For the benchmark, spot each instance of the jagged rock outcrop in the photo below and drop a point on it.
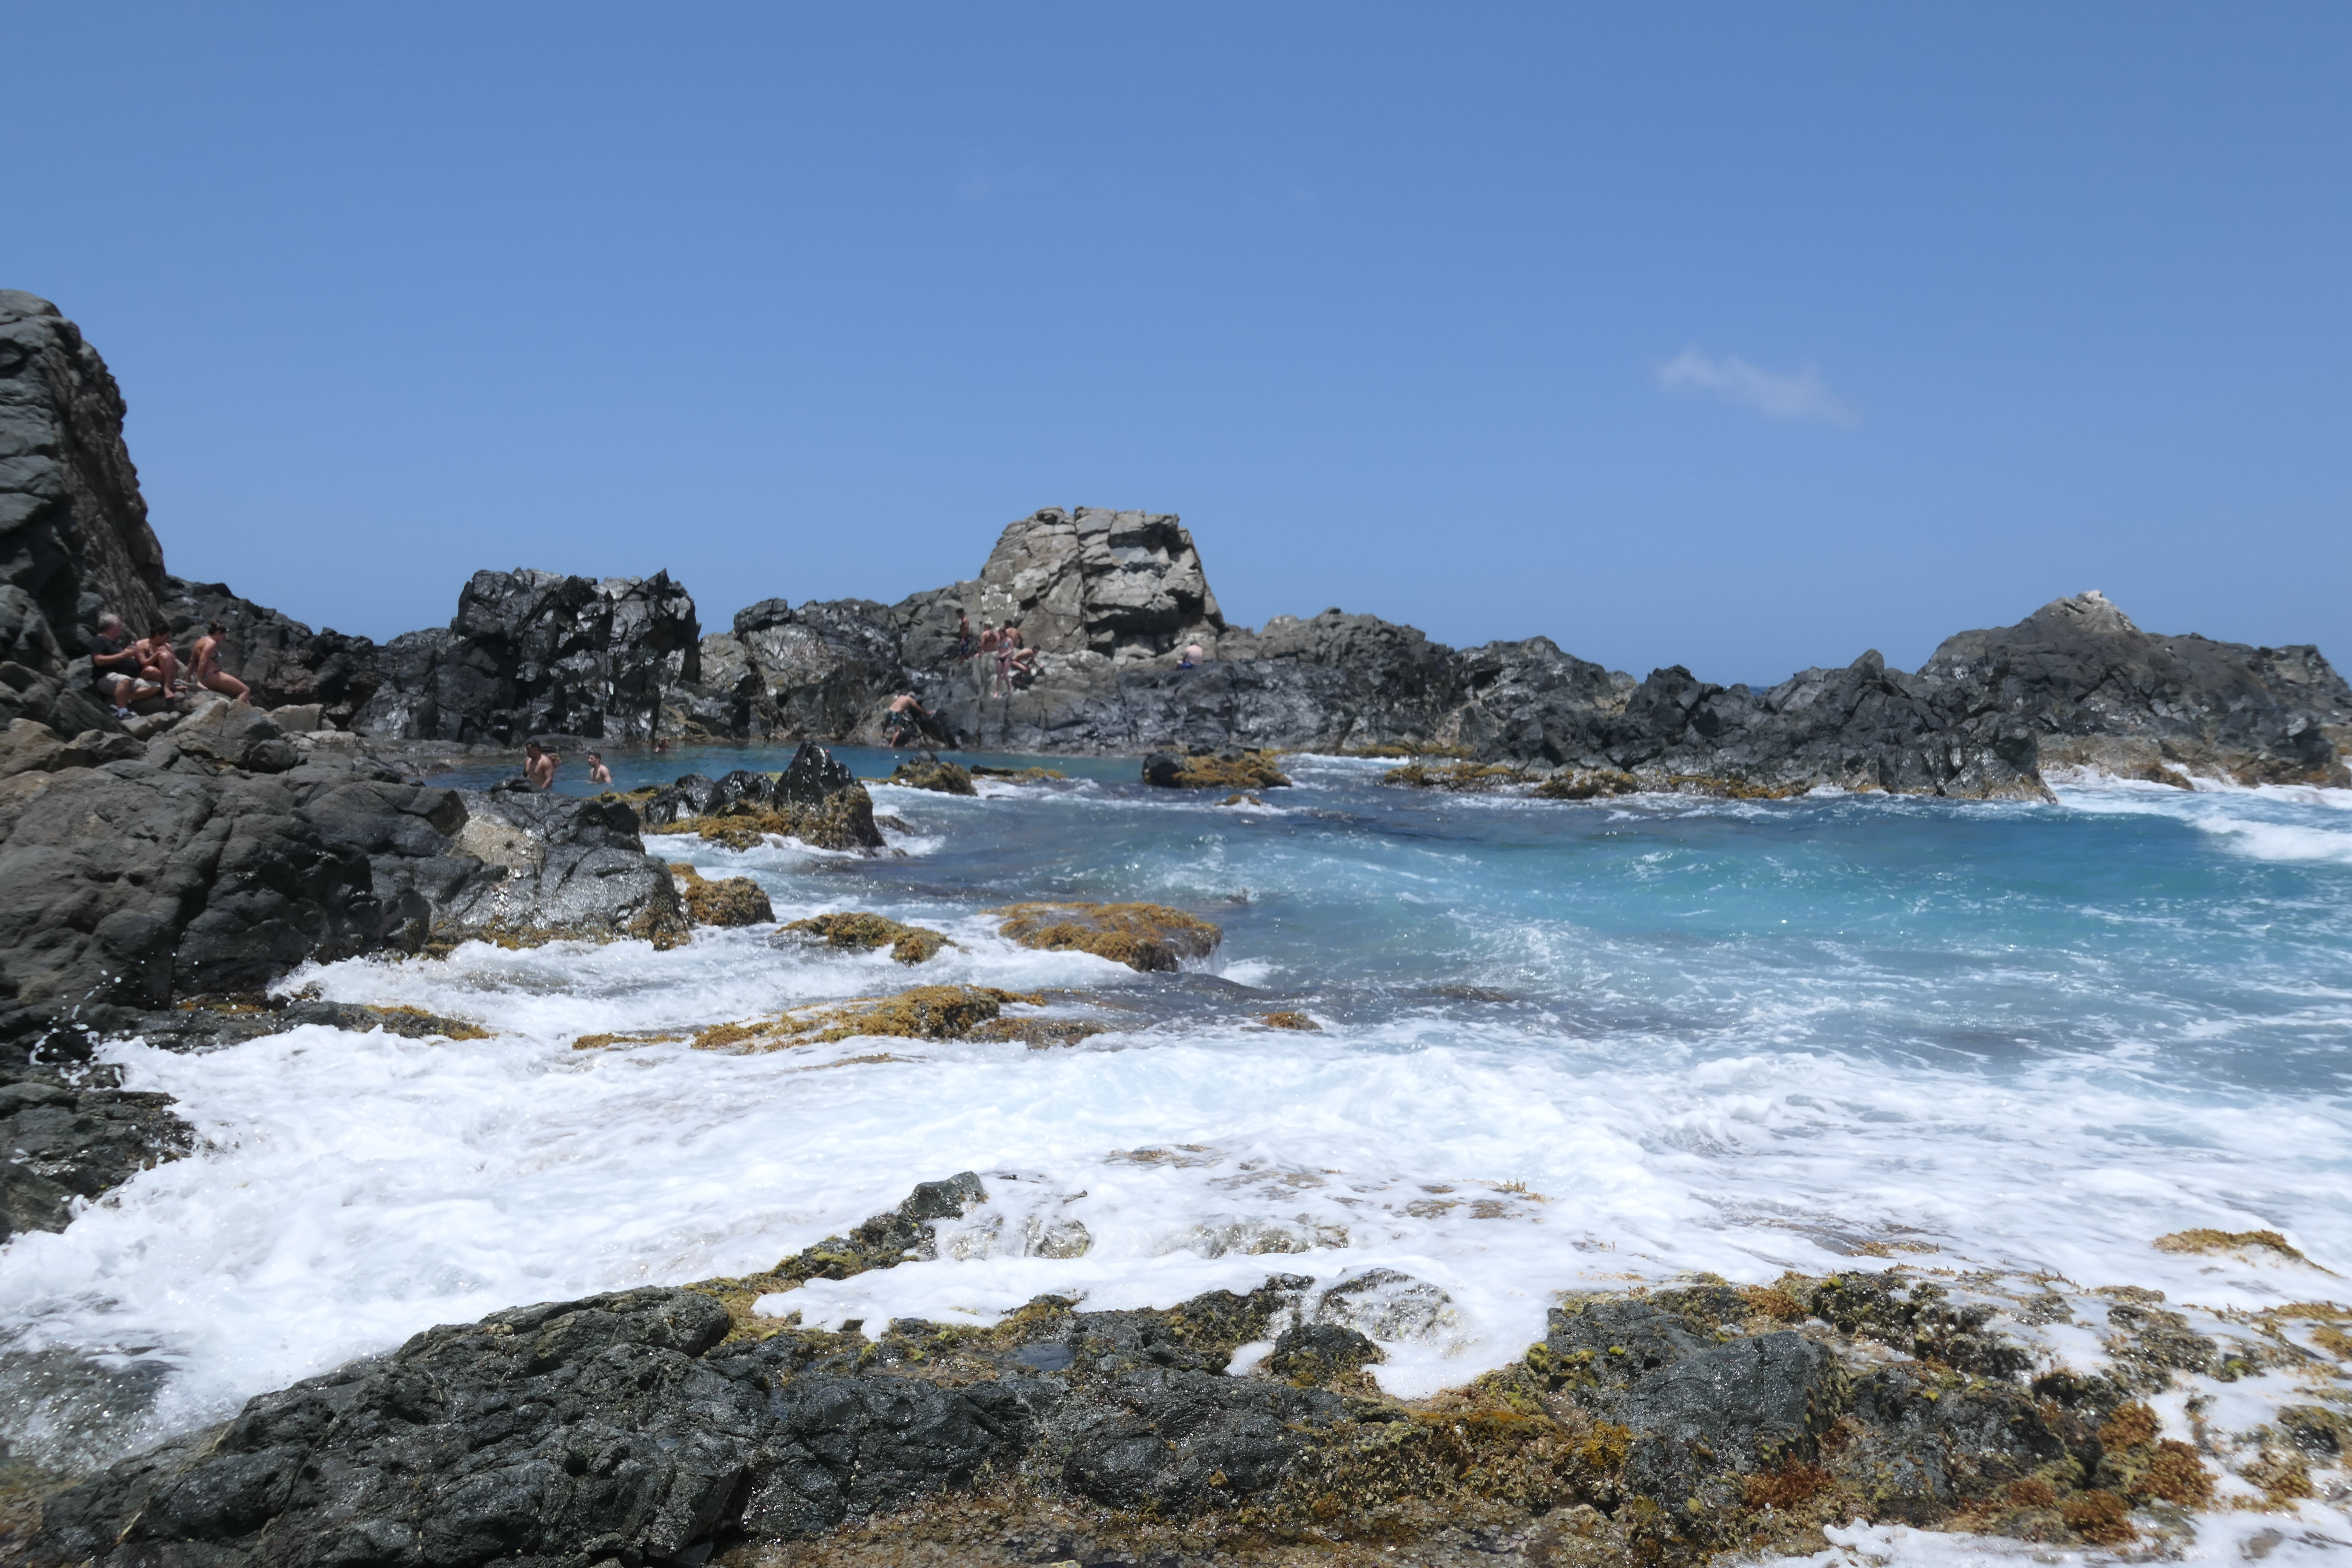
(284, 662)
(2098, 691)
(539, 653)
(73, 537)
(183, 872)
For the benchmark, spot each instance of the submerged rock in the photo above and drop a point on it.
(1229, 770)
(1144, 937)
(927, 772)
(861, 931)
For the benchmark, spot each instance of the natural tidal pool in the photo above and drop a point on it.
(1560, 1047)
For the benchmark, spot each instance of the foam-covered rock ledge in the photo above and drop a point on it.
(140, 882)
(656, 1426)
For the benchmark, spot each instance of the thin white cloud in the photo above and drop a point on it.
(1804, 395)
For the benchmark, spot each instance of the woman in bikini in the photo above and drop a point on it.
(207, 672)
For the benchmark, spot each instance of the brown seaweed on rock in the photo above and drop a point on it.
(1233, 769)
(1145, 937)
(861, 931)
(728, 901)
(930, 773)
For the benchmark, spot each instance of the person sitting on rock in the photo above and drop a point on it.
(204, 670)
(984, 659)
(159, 661)
(597, 771)
(538, 766)
(114, 663)
(1024, 664)
(1008, 644)
(904, 714)
(1191, 657)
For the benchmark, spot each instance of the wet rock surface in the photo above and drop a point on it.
(661, 1425)
(60, 1141)
(814, 799)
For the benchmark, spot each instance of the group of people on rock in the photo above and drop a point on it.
(1000, 651)
(128, 671)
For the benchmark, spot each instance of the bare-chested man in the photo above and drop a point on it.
(538, 766)
(205, 670)
(159, 661)
(597, 771)
(904, 714)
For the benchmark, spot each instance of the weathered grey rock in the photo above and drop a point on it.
(283, 661)
(140, 882)
(74, 536)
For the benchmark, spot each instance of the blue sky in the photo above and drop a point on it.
(1745, 337)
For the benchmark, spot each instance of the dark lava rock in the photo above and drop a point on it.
(529, 652)
(142, 882)
(813, 775)
(73, 537)
(1319, 1352)
(656, 1426)
(1728, 1412)
(61, 1142)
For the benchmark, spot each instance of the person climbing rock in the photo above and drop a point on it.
(903, 716)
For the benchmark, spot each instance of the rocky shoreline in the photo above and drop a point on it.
(666, 1425)
(166, 871)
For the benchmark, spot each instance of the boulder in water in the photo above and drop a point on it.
(1145, 937)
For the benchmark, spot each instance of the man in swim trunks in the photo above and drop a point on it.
(205, 669)
(904, 714)
(114, 664)
(597, 771)
(538, 766)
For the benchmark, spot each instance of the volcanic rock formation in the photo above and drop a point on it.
(655, 1425)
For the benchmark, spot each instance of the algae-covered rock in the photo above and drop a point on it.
(921, 1013)
(727, 902)
(1232, 769)
(862, 932)
(1457, 777)
(1290, 1021)
(843, 820)
(1019, 776)
(927, 772)
(1586, 784)
(1145, 937)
